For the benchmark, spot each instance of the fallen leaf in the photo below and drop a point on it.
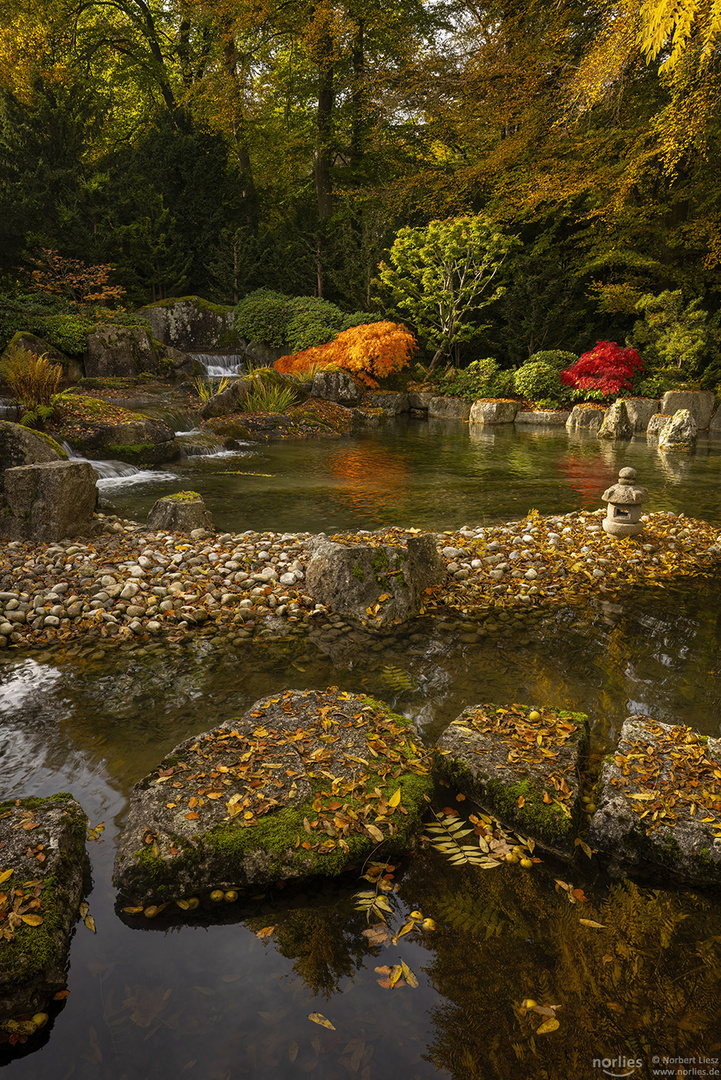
(548, 1025)
(90, 923)
(374, 832)
(265, 932)
(32, 920)
(395, 798)
(318, 1018)
(590, 922)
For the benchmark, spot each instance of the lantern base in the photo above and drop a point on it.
(622, 528)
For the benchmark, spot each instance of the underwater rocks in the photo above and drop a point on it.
(305, 783)
(659, 807)
(520, 763)
(43, 875)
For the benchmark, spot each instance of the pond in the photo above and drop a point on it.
(223, 996)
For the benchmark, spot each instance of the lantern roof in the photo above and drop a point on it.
(625, 492)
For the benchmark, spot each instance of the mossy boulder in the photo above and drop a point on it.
(42, 844)
(659, 804)
(305, 783)
(521, 764)
(23, 446)
(98, 429)
(382, 584)
(192, 324)
(181, 512)
(121, 352)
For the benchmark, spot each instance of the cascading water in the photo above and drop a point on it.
(115, 473)
(221, 366)
(9, 409)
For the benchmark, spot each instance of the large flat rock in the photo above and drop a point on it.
(659, 807)
(305, 783)
(520, 763)
(44, 865)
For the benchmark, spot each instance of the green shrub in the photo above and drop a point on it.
(360, 318)
(555, 358)
(478, 380)
(504, 385)
(33, 380)
(540, 382)
(314, 322)
(263, 316)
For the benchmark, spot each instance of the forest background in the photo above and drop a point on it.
(217, 146)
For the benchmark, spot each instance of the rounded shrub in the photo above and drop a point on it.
(559, 359)
(539, 381)
(263, 316)
(478, 380)
(314, 322)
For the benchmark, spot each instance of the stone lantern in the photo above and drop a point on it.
(623, 517)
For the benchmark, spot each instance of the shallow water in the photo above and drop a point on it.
(208, 998)
(430, 474)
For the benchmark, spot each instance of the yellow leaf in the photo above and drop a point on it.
(265, 932)
(132, 910)
(90, 923)
(583, 846)
(395, 798)
(548, 1025)
(408, 975)
(590, 922)
(32, 920)
(375, 832)
(395, 975)
(84, 908)
(5, 875)
(318, 1018)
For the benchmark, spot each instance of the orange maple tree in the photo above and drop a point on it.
(369, 352)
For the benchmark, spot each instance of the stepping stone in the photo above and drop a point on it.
(659, 808)
(43, 874)
(306, 783)
(521, 764)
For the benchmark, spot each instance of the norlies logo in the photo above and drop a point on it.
(618, 1066)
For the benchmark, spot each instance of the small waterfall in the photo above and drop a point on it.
(115, 473)
(221, 365)
(198, 443)
(9, 409)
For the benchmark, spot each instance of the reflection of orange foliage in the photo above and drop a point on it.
(589, 476)
(369, 352)
(370, 477)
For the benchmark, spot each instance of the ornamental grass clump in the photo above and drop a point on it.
(369, 352)
(606, 369)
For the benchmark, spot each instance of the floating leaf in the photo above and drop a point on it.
(318, 1018)
(377, 935)
(408, 975)
(84, 908)
(265, 932)
(90, 923)
(396, 974)
(548, 1025)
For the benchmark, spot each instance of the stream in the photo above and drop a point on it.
(209, 997)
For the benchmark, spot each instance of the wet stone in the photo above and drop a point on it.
(521, 764)
(285, 792)
(659, 804)
(42, 845)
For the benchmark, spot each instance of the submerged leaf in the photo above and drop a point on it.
(318, 1018)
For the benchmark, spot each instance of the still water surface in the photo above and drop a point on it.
(211, 999)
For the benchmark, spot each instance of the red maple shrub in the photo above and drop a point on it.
(369, 352)
(607, 368)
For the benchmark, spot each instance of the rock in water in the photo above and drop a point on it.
(285, 792)
(523, 769)
(680, 434)
(659, 809)
(44, 865)
(181, 512)
(381, 585)
(616, 423)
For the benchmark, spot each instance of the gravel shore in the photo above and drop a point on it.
(129, 583)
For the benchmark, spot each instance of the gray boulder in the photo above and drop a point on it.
(336, 386)
(381, 585)
(656, 425)
(680, 434)
(181, 512)
(120, 352)
(493, 412)
(192, 324)
(449, 408)
(228, 401)
(616, 423)
(521, 769)
(700, 403)
(33, 963)
(657, 813)
(640, 410)
(23, 446)
(49, 502)
(585, 418)
(542, 417)
(265, 810)
(419, 400)
(392, 403)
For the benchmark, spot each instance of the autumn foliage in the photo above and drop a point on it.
(369, 352)
(607, 368)
(74, 279)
